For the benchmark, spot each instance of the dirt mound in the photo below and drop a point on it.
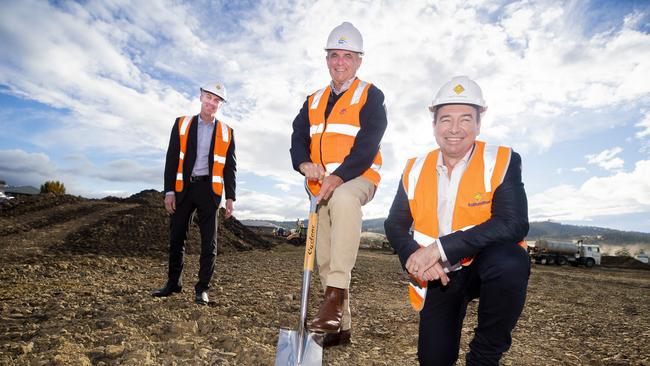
(144, 230)
(44, 211)
(236, 235)
(30, 204)
(623, 262)
(137, 225)
(149, 197)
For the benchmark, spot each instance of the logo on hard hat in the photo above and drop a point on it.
(459, 89)
(343, 40)
(218, 86)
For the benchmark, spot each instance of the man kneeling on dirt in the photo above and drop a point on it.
(466, 205)
(200, 166)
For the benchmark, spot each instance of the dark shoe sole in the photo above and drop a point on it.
(337, 339)
(321, 330)
(166, 294)
(199, 300)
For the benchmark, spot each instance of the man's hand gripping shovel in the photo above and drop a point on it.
(302, 347)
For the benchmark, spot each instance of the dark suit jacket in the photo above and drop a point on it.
(171, 163)
(508, 224)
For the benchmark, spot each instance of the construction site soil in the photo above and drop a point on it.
(77, 276)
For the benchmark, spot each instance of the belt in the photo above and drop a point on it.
(199, 178)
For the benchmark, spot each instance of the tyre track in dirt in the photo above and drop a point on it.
(30, 234)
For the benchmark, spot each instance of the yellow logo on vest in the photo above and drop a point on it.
(478, 200)
(459, 89)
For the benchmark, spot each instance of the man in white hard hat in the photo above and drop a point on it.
(199, 169)
(335, 140)
(466, 205)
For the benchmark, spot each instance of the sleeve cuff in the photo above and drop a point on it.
(443, 256)
(170, 193)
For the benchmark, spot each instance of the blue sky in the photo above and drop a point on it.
(89, 94)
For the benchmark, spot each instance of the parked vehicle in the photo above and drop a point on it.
(641, 257)
(4, 197)
(561, 253)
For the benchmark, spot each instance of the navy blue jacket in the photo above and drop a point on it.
(372, 119)
(507, 226)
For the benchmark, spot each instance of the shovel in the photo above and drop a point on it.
(302, 347)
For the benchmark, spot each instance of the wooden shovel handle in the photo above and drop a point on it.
(310, 245)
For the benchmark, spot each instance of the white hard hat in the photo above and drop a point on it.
(459, 90)
(217, 89)
(345, 37)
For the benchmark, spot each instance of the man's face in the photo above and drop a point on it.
(455, 128)
(343, 65)
(210, 103)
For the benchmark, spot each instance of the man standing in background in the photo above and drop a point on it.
(200, 167)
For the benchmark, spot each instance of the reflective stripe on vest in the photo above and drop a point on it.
(334, 137)
(484, 173)
(184, 123)
(221, 144)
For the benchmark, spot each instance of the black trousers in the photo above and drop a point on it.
(199, 198)
(499, 278)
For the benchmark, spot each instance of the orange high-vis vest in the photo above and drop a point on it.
(332, 139)
(221, 143)
(485, 171)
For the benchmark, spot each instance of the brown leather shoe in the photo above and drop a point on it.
(337, 339)
(328, 319)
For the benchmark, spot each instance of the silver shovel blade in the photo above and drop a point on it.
(287, 352)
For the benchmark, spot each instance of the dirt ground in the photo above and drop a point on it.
(77, 276)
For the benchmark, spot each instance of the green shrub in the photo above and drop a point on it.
(52, 186)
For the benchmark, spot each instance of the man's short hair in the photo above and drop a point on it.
(476, 108)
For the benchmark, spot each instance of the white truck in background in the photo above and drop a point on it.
(561, 253)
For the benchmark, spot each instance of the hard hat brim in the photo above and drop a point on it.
(344, 49)
(214, 93)
(458, 100)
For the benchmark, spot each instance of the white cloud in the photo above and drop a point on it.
(579, 169)
(255, 205)
(130, 171)
(644, 125)
(607, 159)
(91, 71)
(283, 187)
(621, 193)
(18, 168)
(79, 174)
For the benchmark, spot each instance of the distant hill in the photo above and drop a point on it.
(548, 229)
(285, 224)
(374, 225)
(543, 229)
(554, 230)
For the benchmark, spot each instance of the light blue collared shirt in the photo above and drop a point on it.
(203, 140)
(344, 87)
